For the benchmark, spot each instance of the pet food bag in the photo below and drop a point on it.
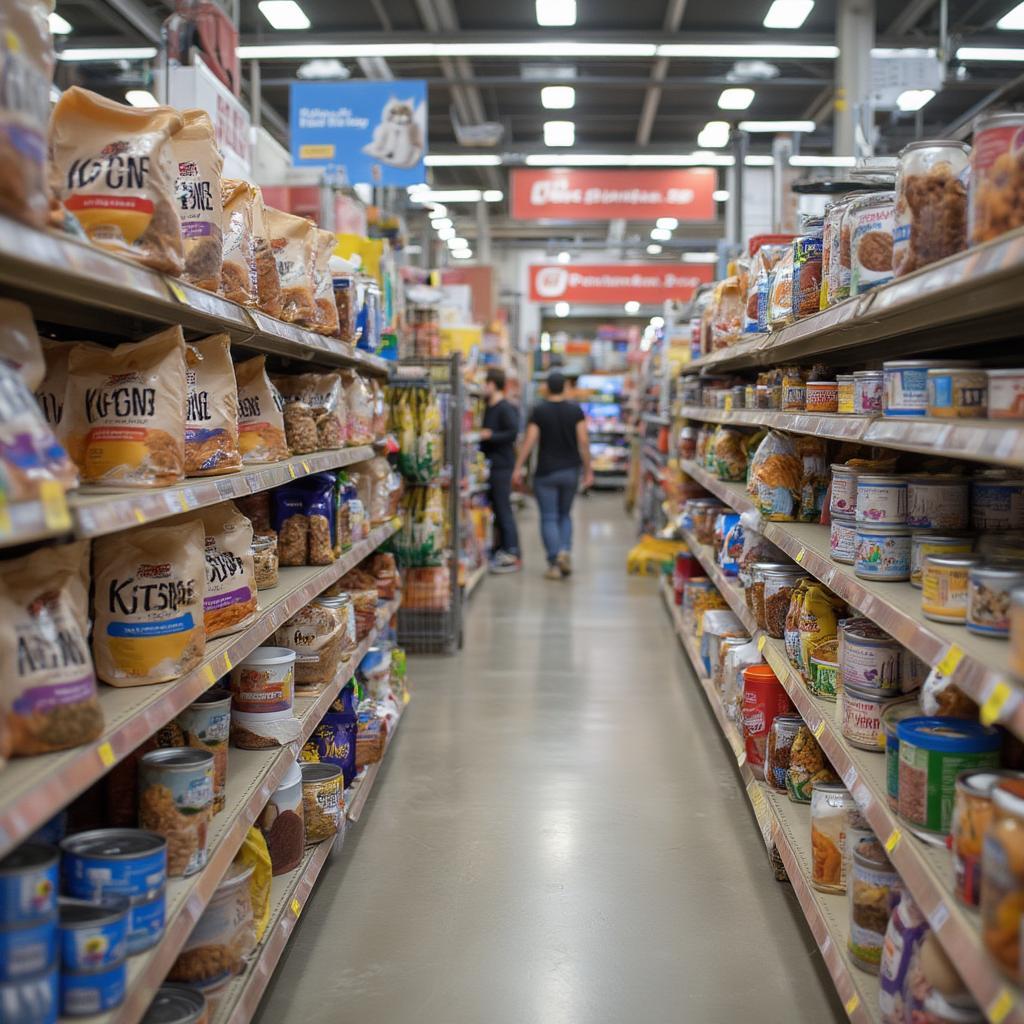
(326, 319)
(776, 477)
(293, 240)
(268, 281)
(238, 274)
(261, 435)
(211, 427)
(198, 163)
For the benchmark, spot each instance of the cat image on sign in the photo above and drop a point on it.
(398, 139)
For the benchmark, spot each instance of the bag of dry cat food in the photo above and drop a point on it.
(211, 421)
(326, 319)
(359, 409)
(293, 240)
(238, 280)
(268, 281)
(47, 681)
(324, 396)
(125, 411)
(261, 435)
(149, 584)
(197, 163)
(112, 167)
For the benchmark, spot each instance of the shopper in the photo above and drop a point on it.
(558, 429)
(498, 443)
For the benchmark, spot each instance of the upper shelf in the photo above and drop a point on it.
(971, 297)
(72, 283)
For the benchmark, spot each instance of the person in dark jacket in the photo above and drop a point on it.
(498, 443)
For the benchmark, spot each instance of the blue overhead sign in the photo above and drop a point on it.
(375, 132)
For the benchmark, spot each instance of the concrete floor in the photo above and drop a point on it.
(558, 836)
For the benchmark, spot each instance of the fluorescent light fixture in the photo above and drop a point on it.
(493, 195)
(443, 222)
(283, 14)
(559, 133)
(735, 99)
(989, 53)
(714, 136)
(720, 195)
(462, 160)
(777, 126)
(742, 51)
(632, 307)
(657, 321)
(1012, 19)
(558, 97)
(445, 233)
(661, 234)
(556, 12)
(629, 160)
(822, 161)
(141, 98)
(561, 309)
(96, 53)
(667, 222)
(462, 254)
(564, 257)
(545, 342)
(456, 242)
(700, 257)
(654, 249)
(757, 160)
(914, 99)
(438, 212)
(59, 26)
(455, 195)
(788, 13)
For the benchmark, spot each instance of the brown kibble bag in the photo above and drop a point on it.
(326, 319)
(26, 71)
(48, 685)
(112, 167)
(324, 395)
(268, 281)
(197, 163)
(125, 411)
(149, 585)
(261, 435)
(293, 240)
(211, 427)
(238, 271)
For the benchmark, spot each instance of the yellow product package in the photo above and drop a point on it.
(819, 621)
(112, 167)
(294, 241)
(238, 279)
(791, 628)
(255, 852)
(125, 411)
(211, 422)
(149, 586)
(261, 434)
(198, 164)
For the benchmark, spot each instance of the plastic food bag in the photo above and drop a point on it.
(791, 629)
(261, 434)
(255, 854)
(762, 266)
(268, 281)
(293, 240)
(239, 280)
(125, 411)
(815, 477)
(776, 476)
(149, 583)
(304, 517)
(780, 292)
(211, 428)
(819, 621)
(26, 71)
(730, 454)
(112, 167)
(359, 409)
(47, 685)
(727, 313)
(326, 319)
(323, 395)
(198, 189)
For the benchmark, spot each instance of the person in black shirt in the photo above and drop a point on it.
(498, 443)
(560, 429)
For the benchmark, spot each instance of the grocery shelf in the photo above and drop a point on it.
(926, 868)
(969, 298)
(475, 578)
(359, 792)
(69, 282)
(35, 788)
(997, 441)
(979, 665)
(655, 419)
(787, 826)
(471, 437)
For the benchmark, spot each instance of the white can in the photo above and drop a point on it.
(937, 502)
(881, 499)
(883, 552)
(872, 219)
(843, 493)
(843, 539)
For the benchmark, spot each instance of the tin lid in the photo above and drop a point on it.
(871, 696)
(911, 364)
(880, 478)
(319, 771)
(113, 843)
(937, 478)
(844, 377)
(840, 467)
(1005, 373)
(180, 758)
(895, 713)
(237, 876)
(936, 144)
(214, 695)
(835, 788)
(1009, 575)
(953, 364)
(924, 537)
(982, 781)
(176, 1004)
(29, 855)
(262, 541)
(760, 671)
(872, 199)
(869, 853)
(76, 913)
(1008, 118)
(949, 735)
(794, 721)
(771, 566)
(821, 383)
(952, 561)
(785, 572)
(865, 374)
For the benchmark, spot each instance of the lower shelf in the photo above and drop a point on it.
(787, 826)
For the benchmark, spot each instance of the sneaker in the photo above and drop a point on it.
(503, 562)
(565, 563)
(553, 573)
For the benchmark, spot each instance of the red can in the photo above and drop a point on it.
(763, 700)
(686, 568)
(997, 176)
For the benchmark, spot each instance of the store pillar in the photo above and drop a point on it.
(855, 37)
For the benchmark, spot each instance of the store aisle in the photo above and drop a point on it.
(558, 836)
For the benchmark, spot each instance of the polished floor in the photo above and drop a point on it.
(558, 836)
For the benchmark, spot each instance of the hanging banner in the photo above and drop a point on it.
(560, 193)
(373, 132)
(615, 283)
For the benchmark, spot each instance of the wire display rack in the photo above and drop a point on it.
(430, 619)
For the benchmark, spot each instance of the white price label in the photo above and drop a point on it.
(938, 917)
(850, 777)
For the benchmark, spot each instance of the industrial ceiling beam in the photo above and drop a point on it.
(139, 17)
(909, 17)
(618, 82)
(652, 98)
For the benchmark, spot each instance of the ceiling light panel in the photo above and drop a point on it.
(98, 53)
(455, 195)
(995, 53)
(667, 222)
(457, 243)
(437, 212)
(559, 133)
(59, 26)
(788, 13)
(284, 15)
(445, 234)
(715, 135)
(443, 222)
(561, 309)
(720, 195)
(735, 99)
(822, 161)
(462, 160)
(631, 307)
(630, 160)
(558, 97)
(700, 257)
(1012, 19)
(556, 12)
(661, 234)
(914, 99)
(753, 51)
(141, 98)
(755, 127)
(654, 249)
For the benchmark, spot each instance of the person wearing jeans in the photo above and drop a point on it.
(498, 441)
(558, 429)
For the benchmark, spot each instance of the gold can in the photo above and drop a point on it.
(844, 386)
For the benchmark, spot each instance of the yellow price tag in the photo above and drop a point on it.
(296, 906)
(1000, 1007)
(761, 641)
(6, 526)
(209, 674)
(893, 841)
(819, 729)
(851, 1004)
(950, 660)
(995, 702)
(106, 752)
(177, 291)
(305, 466)
(55, 506)
(728, 403)
(140, 516)
(291, 471)
(800, 555)
(227, 662)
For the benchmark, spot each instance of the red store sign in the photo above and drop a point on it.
(559, 193)
(615, 283)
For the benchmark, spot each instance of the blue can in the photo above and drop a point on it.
(114, 862)
(28, 883)
(906, 386)
(82, 995)
(31, 1000)
(93, 936)
(27, 949)
(145, 924)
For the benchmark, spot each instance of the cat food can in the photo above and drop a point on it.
(868, 389)
(891, 719)
(881, 499)
(93, 936)
(27, 949)
(34, 1000)
(869, 659)
(842, 539)
(860, 712)
(871, 221)
(845, 394)
(883, 552)
(944, 586)
(988, 598)
(29, 883)
(82, 995)
(957, 392)
(997, 503)
(843, 498)
(906, 386)
(1006, 394)
(176, 1004)
(937, 502)
(822, 396)
(924, 544)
